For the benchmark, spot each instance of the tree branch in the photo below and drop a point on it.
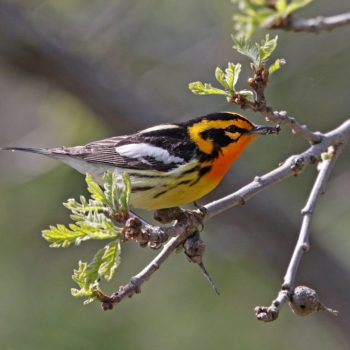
(187, 223)
(270, 313)
(312, 25)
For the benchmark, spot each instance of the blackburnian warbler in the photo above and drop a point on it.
(168, 164)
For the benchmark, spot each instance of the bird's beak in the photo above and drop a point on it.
(264, 130)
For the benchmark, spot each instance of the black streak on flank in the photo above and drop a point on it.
(201, 173)
(190, 171)
(141, 188)
(171, 188)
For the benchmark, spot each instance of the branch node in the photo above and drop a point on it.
(285, 287)
(266, 314)
(297, 165)
(305, 247)
(135, 281)
(257, 179)
(306, 211)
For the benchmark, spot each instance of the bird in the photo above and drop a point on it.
(168, 164)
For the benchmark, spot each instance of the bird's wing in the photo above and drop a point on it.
(129, 153)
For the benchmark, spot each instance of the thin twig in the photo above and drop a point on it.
(282, 118)
(268, 314)
(313, 25)
(303, 244)
(258, 83)
(134, 286)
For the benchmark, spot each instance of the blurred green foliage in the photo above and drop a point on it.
(257, 14)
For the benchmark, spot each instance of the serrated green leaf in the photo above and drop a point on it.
(296, 5)
(94, 189)
(198, 88)
(117, 191)
(103, 265)
(84, 207)
(244, 46)
(93, 226)
(126, 192)
(278, 64)
(61, 237)
(254, 15)
(220, 77)
(232, 73)
(267, 47)
(110, 260)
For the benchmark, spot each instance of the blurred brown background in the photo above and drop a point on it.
(72, 71)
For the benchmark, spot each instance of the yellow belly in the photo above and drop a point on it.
(175, 195)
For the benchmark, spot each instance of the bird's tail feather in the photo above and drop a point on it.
(44, 151)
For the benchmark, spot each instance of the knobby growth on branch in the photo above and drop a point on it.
(106, 215)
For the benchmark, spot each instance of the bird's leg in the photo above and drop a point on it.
(200, 208)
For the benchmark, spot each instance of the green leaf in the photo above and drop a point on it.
(220, 77)
(267, 47)
(244, 46)
(84, 207)
(117, 191)
(126, 192)
(85, 279)
(198, 88)
(96, 226)
(110, 260)
(232, 73)
(94, 189)
(61, 237)
(296, 5)
(254, 15)
(89, 225)
(103, 265)
(278, 64)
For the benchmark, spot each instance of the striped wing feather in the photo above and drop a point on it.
(162, 150)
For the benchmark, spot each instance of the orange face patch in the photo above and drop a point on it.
(207, 145)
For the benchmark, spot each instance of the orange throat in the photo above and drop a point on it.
(229, 154)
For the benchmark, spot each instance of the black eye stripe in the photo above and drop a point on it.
(234, 128)
(214, 133)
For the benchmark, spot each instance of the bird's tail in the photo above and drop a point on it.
(44, 151)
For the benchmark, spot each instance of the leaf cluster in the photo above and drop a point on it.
(263, 13)
(93, 218)
(258, 53)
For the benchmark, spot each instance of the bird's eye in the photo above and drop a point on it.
(232, 128)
